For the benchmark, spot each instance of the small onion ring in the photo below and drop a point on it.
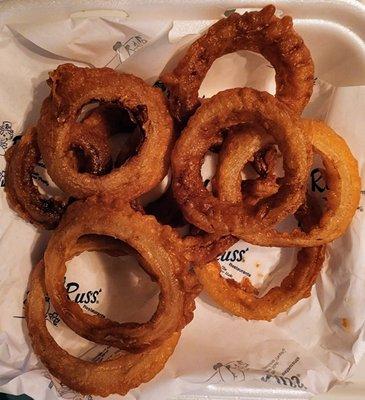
(71, 89)
(159, 255)
(22, 194)
(118, 375)
(342, 198)
(257, 31)
(225, 110)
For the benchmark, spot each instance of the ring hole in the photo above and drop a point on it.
(110, 280)
(44, 183)
(106, 136)
(239, 69)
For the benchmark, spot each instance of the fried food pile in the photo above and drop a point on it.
(101, 208)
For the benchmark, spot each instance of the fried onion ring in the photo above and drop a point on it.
(223, 111)
(118, 375)
(22, 194)
(267, 184)
(71, 89)
(258, 31)
(159, 255)
(342, 199)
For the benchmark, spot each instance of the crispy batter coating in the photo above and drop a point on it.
(198, 246)
(22, 194)
(225, 110)
(91, 153)
(242, 299)
(118, 375)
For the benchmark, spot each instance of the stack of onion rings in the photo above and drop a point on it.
(225, 110)
(244, 126)
(242, 299)
(340, 168)
(118, 375)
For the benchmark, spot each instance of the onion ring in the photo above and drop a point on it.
(225, 110)
(267, 184)
(160, 256)
(258, 31)
(22, 194)
(342, 199)
(71, 89)
(112, 376)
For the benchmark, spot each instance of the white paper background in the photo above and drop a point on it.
(218, 355)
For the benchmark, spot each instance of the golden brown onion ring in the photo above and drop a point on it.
(225, 110)
(22, 194)
(160, 255)
(258, 31)
(267, 184)
(242, 298)
(71, 89)
(119, 375)
(342, 198)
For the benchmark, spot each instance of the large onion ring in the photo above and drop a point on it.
(258, 31)
(160, 256)
(71, 89)
(342, 198)
(107, 377)
(222, 111)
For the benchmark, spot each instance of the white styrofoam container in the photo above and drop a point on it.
(333, 30)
